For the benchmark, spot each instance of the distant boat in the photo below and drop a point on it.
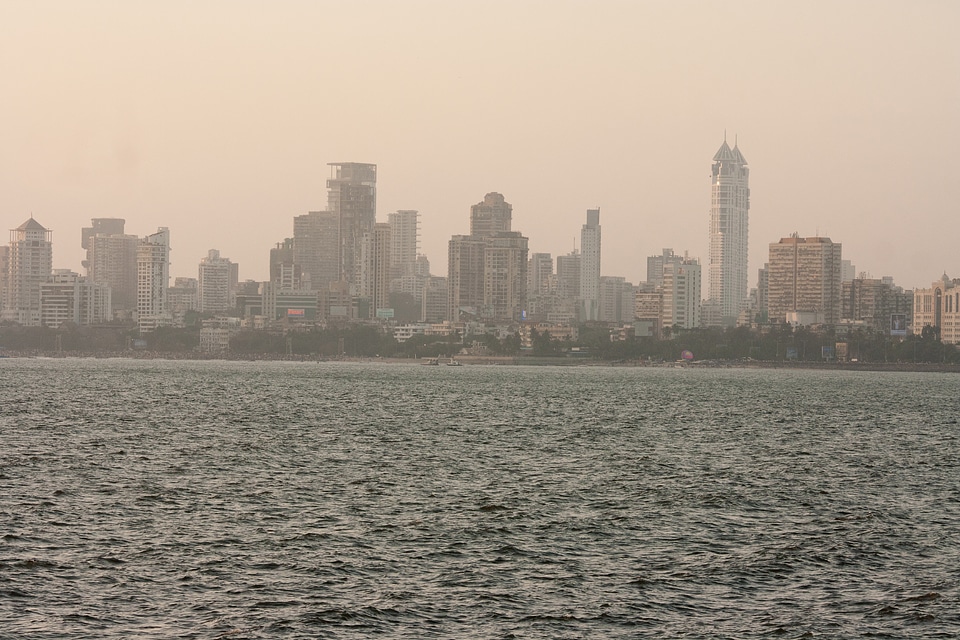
(431, 361)
(454, 363)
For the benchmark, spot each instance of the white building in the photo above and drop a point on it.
(590, 267)
(29, 264)
(217, 283)
(681, 294)
(729, 208)
(69, 297)
(153, 277)
(404, 241)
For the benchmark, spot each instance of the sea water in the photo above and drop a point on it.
(157, 499)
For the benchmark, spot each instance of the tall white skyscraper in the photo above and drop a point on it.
(153, 277)
(729, 207)
(590, 267)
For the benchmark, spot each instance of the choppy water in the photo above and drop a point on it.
(300, 500)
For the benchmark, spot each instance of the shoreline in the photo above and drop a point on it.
(920, 367)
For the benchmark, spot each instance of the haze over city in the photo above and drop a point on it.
(218, 120)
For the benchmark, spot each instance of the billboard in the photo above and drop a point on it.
(296, 313)
(898, 324)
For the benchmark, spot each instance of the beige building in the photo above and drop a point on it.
(69, 297)
(938, 306)
(217, 283)
(803, 280)
(29, 264)
(153, 278)
(487, 270)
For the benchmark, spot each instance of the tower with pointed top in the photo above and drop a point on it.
(29, 264)
(729, 208)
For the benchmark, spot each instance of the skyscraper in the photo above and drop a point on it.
(729, 207)
(112, 260)
(29, 264)
(487, 270)
(153, 277)
(590, 267)
(352, 197)
(316, 242)
(374, 264)
(404, 241)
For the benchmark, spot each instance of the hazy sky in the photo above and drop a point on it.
(217, 119)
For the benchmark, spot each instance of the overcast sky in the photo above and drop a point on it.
(217, 119)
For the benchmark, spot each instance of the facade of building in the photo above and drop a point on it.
(183, 297)
(217, 283)
(316, 249)
(29, 264)
(803, 277)
(874, 302)
(938, 306)
(433, 302)
(284, 269)
(656, 264)
(568, 275)
(404, 242)
(505, 276)
(153, 278)
(487, 270)
(729, 220)
(112, 260)
(590, 267)
(352, 198)
(681, 294)
(376, 268)
(616, 301)
(69, 297)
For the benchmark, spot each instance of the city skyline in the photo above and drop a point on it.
(845, 113)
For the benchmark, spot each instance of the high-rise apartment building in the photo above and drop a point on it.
(69, 297)
(655, 265)
(729, 209)
(616, 300)
(568, 274)
(539, 274)
(352, 197)
(112, 260)
(404, 241)
(153, 278)
(183, 296)
(465, 277)
(803, 280)
(375, 268)
(487, 270)
(589, 298)
(316, 242)
(284, 269)
(681, 294)
(218, 279)
(874, 302)
(29, 264)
